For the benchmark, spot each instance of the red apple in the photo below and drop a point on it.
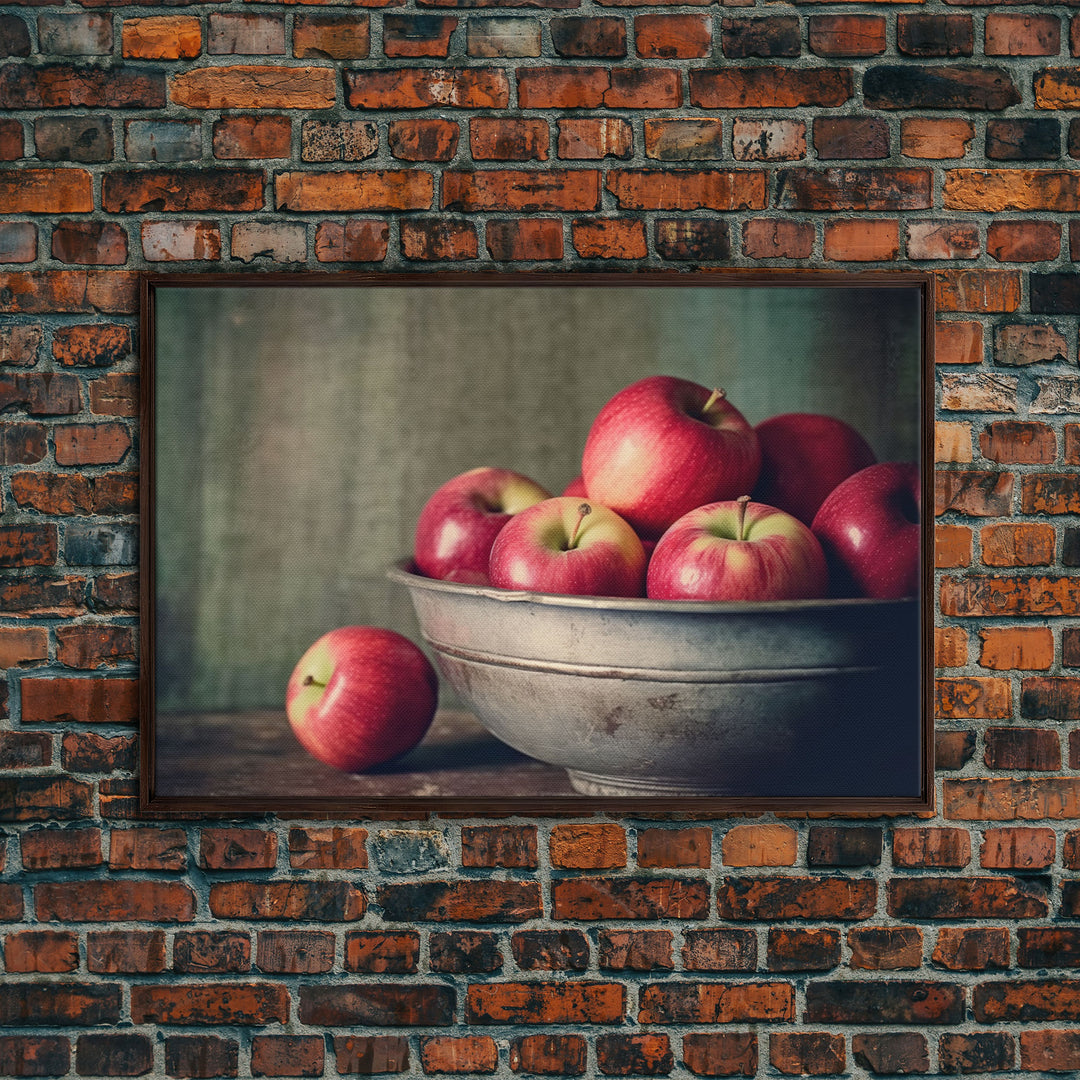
(869, 528)
(576, 487)
(803, 457)
(663, 446)
(360, 696)
(460, 521)
(564, 545)
(737, 550)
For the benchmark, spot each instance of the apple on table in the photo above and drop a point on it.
(361, 696)
(869, 528)
(803, 457)
(459, 522)
(567, 546)
(665, 445)
(737, 550)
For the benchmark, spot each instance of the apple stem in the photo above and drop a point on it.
(310, 680)
(583, 511)
(714, 397)
(742, 501)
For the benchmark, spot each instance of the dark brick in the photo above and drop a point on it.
(1048, 946)
(461, 901)
(803, 950)
(54, 1003)
(463, 951)
(201, 1056)
(597, 36)
(114, 1055)
(693, 239)
(972, 948)
(892, 1001)
(720, 950)
(776, 898)
(295, 951)
(535, 1002)
(417, 35)
(677, 1002)
(853, 189)
(65, 86)
(1055, 294)
(843, 846)
(774, 36)
(550, 950)
(549, 1055)
(499, 845)
(1023, 140)
(935, 35)
(371, 1054)
(635, 950)
(968, 898)
(34, 1055)
(629, 898)
(980, 1051)
(202, 951)
(882, 948)
(376, 1004)
(14, 36)
(645, 1054)
(721, 1053)
(890, 86)
(1027, 999)
(891, 1053)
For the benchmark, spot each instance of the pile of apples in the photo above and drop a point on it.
(681, 498)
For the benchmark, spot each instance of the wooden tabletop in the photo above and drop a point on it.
(254, 754)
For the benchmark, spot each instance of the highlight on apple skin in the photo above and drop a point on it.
(803, 457)
(664, 446)
(361, 696)
(869, 529)
(737, 550)
(569, 546)
(459, 522)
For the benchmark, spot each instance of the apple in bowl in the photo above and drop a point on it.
(663, 446)
(803, 457)
(869, 528)
(737, 550)
(459, 522)
(569, 546)
(361, 696)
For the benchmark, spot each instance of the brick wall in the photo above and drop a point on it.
(421, 134)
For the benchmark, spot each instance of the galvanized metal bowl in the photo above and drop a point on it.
(639, 697)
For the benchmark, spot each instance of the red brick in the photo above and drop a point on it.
(20, 344)
(345, 36)
(25, 749)
(325, 848)
(549, 1055)
(977, 290)
(202, 952)
(292, 952)
(950, 647)
(981, 1051)
(692, 239)
(973, 697)
(635, 950)
(587, 138)
(162, 37)
(952, 442)
(499, 845)
(88, 243)
(686, 189)
(927, 846)
(562, 1002)
(1023, 241)
(441, 1054)
(41, 951)
(94, 646)
(254, 87)
(1009, 799)
(460, 951)
(201, 1056)
(125, 951)
(524, 239)
(28, 545)
(56, 596)
(807, 1053)
(721, 1053)
(720, 950)
(1017, 442)
(594, 87)
(92, 292)
(777, 238)
(862, 241)
(287, 1055)
(45, 191)
(851, 137)
(147, 849)
(382, 952)
(609, 238)
(884, 948)
(180, 241)
(209, 1003)
(942, 240)
(934, 139)
(249, 137)
(114, 901)
(91, 345)
(23, 646)
(496, 138)
(975, 492)
(1017, 545)
(803, 950)
(768, 87)
(521, 190)
(34, 1055)
(53, 1003)
(469, 900)
(61, 849)
(114, 395)
(1017, 647)
(666, 37)
(550, 950)
(1017, 849)
(980, 948)
(674, 848)
(237, 849)
(1022, 35)
(629, 898)
(325, 901)
(953, 898)
(1050, 1050)
(41, 393)
(373, 189)
(423, 139)
(856, 188)
(1027, 999)
(11, 141)
(422, 88)
(715, 1003)
(1019, 344)
(355, 240)
(1011, 189)
(760, 845)
(22, 443)
(952, 546)
(88, 752)
(175, 191)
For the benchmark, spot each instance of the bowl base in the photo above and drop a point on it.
(595, 784)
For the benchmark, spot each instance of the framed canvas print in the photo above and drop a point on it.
(652, 541)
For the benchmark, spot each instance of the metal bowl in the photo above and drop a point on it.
(638, 697)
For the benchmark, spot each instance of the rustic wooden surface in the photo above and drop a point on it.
(255, 754)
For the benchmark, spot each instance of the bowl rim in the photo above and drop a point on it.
(403, 571)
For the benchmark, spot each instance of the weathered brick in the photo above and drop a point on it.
(245, 33)
(370, 1054)
(1022, 35)
(889, 1053)
(1050, 1050)
(1009, 799)
(777, 238)
(692, 239)
(767, 140)
(792, 897)
(287, 1055)
(45, 191)
(1017, 849)
(54, 1003)
(91, 444)
(114, 901)
(88, 752)
(981, 1051)
(421, 88)
(609, 238)
(380, 952)
(459, 1054)
(18, 240)
(14, 36)
(460, 951)
(20, 344)
(67, 86)
(74, 34)
(1023, 140)
(950, 648)
(521, 190)
(282, 242)
(1011, 189)
(980, 948)
(34, 1055)
(777, 35)
(684, 140)
(549, 1055)
(1017, 545)
(1023, 241)
(927, 846)
(248, 137)
(629, 898)
(92, 292)
(942, 240)
(162, 140)
(509, 37)
(885, 948)
(209, 1003)
(100, 545)
(336, 36)
(44, 951)
(1057, 88)
(719, 950)
(686, 189)
(494, 138)
(126, 951)
(1018, 344)
(550, 950)
(1050, 698)
(843, 846)
(324, 901)
(525, 239)
(338, 140)
(355, 240)
(148, 849)
(881, 189)
(935, 139)
(760, 845)
(25, 750)
(935, 35)
(423, 139)
(856, 240)
(492, 846)
(1014, 441)
(967, 898)
(164, 190)
(202, 952)
(1026, 999)
(642, 1054)
(330, 847)
(721, 1053)
(42, 798)
(807, 1053)
(1017, 647)
(589, 138)
(673, 848)
(373, 189)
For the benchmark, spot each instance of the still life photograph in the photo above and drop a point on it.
(525, 542)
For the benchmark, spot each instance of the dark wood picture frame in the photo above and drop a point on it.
(168, 418)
